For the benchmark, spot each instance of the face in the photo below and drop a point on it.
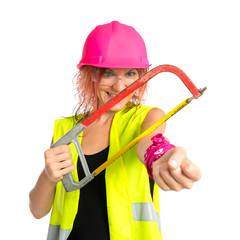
(115, 80)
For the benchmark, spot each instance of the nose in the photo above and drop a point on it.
(119, 85)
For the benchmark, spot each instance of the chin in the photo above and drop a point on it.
(117, 108)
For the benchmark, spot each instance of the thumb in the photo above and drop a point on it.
(176, 158)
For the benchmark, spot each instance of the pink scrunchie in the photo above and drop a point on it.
(156, 150)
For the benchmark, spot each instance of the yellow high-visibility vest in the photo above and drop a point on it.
(132, 213)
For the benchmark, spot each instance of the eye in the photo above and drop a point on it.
(107, 74)
(131, 73)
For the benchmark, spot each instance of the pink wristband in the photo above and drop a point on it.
(156, 150)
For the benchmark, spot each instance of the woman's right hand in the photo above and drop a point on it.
(58, 162)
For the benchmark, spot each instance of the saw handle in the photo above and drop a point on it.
(72, 137)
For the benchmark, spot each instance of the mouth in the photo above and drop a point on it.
(111, 95)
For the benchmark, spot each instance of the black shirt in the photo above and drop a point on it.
(91, 221)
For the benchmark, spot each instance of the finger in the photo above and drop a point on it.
(63, 157)
(191, 170)
(177, 155)
(169, 180)
(64, 164)
(66, 170)
(157, 178)
(162, 176)
(182, 179)
(53, 161)
(57, 175)
(58, 150)
(160, 182)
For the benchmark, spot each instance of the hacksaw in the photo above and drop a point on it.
(72, 136)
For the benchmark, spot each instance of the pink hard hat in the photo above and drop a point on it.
(114, 45)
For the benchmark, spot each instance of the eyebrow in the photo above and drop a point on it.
(130, 69)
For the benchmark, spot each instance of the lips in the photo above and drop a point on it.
(111, 95)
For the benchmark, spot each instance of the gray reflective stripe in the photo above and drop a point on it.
(144, 211)
(57, 233)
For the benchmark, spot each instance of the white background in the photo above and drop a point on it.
(40, 45)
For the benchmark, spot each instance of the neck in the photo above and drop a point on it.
(105, 118)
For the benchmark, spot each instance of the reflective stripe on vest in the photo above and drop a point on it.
(57, 233)
(140, 212)
(144, 211)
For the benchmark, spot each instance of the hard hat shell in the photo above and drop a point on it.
(114, 45)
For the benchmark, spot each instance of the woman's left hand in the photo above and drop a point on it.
(174, 171)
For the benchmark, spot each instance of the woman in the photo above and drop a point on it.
(123, 201)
